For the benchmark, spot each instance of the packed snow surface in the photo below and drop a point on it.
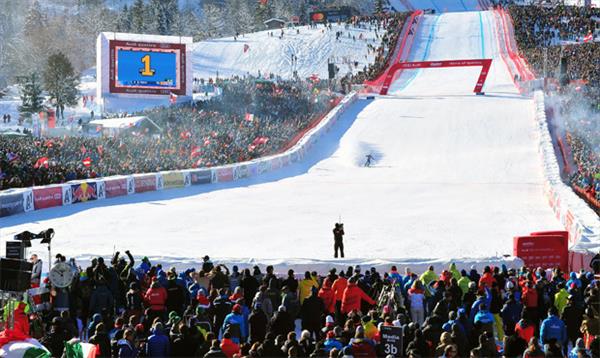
(455, 176)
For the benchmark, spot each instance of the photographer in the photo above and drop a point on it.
(338, 238)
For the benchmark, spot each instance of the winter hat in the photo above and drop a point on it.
(237, 308)
(329, 321)
(357, 269)
(330, 335)
(463, 272)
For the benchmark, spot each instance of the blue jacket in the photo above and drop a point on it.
(126, 349)
(234, 319)
(330, 344)
(573, 279)
(553, 327)
(484, 317)
(511, 312)
(158, 344)
(481, 300)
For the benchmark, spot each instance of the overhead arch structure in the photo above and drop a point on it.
(484, 63)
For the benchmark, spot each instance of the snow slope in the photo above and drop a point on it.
(439, 5)
(270, 54)
(456, 176)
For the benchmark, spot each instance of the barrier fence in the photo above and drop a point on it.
(22, 200)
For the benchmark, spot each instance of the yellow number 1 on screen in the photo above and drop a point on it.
(146, 71)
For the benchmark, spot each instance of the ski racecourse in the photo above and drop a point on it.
(455, 176)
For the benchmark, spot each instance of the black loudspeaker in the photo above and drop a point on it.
(15, 275)
(563, 78)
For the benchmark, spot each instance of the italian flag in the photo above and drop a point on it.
(77, 349)
(29, 348)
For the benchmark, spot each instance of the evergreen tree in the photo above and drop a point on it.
(60, 80)
(31, 95)
(164, 14)
(264, 11)
(214, 20)
(124, 20)
(138, 17)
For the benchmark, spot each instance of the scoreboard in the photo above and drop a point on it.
(147, 68)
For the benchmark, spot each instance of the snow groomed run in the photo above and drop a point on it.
(455, 177)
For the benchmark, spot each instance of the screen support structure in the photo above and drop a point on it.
(484, 63)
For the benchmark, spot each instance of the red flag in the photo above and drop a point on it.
(185, 135)
(206, 142)
(196, 151)
(42, 162)
(249, 117)
(87, 161)
(589, 37)
(172, 98)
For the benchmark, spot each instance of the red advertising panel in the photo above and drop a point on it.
(224, 174)
(47, 197)
(145, 183)
(115, 187)
(546, 251)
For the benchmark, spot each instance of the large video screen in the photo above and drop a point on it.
(147, 68)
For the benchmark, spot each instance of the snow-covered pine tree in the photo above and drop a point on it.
(138, 17)
(264, 11)
(163, 15)
(60, 80)
(124, 20)
(31, 95)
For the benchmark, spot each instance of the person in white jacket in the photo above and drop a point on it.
(36, 271)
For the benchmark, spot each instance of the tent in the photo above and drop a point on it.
(116, 125)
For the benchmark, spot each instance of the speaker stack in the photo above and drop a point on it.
(15, 275)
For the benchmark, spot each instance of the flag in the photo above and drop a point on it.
(42, 162)
(77, 349)
(185, 135)
(172, 98)
(87, 161)
(246, 48)
(589, 37)
(249, 117)
(196, 151)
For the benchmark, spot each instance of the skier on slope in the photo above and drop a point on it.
(338, 238)
(369, 158)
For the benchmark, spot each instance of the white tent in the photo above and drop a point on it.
(112, 125)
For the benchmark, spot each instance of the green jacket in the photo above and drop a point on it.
(560, 300)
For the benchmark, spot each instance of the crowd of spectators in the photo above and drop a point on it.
(133, 308)
(545, 36)
(392, 23)
(251, 118)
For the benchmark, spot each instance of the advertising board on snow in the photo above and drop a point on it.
(198, 177)
(241, 172)
(224, 174)
(67, 196)
(144, 183)
(116, 187)
(11, 204)
(84, 191)
(173, 180)
(47, 197)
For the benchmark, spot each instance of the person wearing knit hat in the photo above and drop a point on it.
(331, 342)
(235, 323)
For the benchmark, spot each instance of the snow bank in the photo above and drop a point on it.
(577, 217)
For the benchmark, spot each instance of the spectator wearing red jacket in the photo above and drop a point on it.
(353, 296)
(487, 279)
(328, 296)
(228, 346)
(156, 298)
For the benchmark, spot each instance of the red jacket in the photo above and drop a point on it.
(328, 296)
(156, 297)
(229, 347)
(363, 348)
(486, 280)
(338, 288)
(352, 298)
(530, 297)
(525, 332)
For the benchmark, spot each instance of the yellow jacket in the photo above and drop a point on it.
(305, 286)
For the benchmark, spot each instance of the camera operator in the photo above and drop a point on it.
(338, 238)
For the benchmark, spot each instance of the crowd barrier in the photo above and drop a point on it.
(22, 200)
(581, 222)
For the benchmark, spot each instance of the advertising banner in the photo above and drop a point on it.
(11, 204)
(67, 196)
(28, 200)
(546, 251)
(241, 172)
(198, 177)
(159, 181)
(115, 187)
(224, 175)
(47, 197)
(130, 185)
(173, 180)
(275, 163)
(144, 183)
(82, 192)
(263, 166)
(100, 189)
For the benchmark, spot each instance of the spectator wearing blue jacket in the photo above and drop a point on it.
(331, 342)
(553, 328)
(484, 319)
(234, 323)
(511, 314)
(481, 300)
(158, 343)
(573, 280)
